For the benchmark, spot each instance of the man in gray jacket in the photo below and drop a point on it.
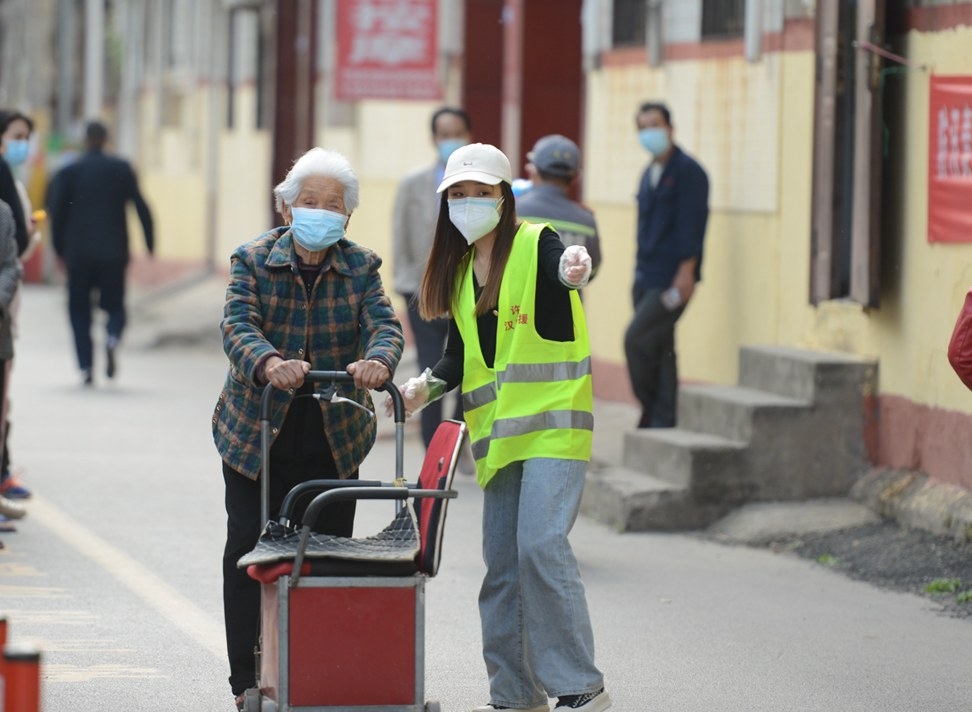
(554, 165)
(415, 214)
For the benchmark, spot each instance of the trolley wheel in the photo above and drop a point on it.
(433, 707)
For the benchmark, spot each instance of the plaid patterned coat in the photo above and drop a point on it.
(267, 311)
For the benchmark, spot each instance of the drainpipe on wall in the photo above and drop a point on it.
(653, 32)
(94, 58)
(131, 20)
(66, 47)
(512, 78)
(215, 117)
(595, 32)
(753, 30)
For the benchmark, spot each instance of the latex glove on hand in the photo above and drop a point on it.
(575, 266)
(417, 392)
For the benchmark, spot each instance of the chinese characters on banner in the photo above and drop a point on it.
(950, 160)
(387, 49)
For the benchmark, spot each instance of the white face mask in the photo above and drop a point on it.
(475, 217)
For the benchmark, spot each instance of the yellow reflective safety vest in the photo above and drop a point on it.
(537, 399)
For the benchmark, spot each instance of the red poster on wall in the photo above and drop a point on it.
(950, 160)
(387, 49)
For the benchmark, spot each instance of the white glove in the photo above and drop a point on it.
(575, 267)
(417, 393)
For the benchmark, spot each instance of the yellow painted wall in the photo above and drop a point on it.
(751, 126)
(244, 198)
(727, 114)
(387, 141)
(172, 177)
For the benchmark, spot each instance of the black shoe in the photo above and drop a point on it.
(111, 366)
(588, 702)
(88, 377)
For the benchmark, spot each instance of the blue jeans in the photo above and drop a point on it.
(537, 637)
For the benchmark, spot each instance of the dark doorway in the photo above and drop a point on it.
(482, 72)
(552, 99)
(535, 46)
(847, 161)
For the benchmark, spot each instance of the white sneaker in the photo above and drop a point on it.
(589, 702)
(493, 708)
(11, 509)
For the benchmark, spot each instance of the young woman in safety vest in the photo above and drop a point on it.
(519, 347)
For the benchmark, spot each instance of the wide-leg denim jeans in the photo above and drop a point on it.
(537, 638)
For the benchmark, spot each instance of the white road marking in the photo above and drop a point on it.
(169, 603)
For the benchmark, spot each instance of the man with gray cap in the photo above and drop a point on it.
(553, 165)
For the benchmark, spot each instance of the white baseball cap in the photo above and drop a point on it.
(480, 162)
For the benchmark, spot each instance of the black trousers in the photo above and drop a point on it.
(241, 594)
(430, 339)
(108, 278)
(649, 346)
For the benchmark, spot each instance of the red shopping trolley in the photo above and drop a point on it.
(343, 619)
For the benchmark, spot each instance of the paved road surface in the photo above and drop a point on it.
(116, 571)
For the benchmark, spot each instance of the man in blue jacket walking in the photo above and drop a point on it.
(87, 201)
(672, 214)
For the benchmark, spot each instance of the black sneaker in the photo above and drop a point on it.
(597, 701)
(111, 366)
(88, 377)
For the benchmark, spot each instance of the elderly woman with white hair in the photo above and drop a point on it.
(300, 297)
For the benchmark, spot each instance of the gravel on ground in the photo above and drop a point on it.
(889, 556)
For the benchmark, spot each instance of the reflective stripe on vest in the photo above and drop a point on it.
(527, 373)
(537, 400)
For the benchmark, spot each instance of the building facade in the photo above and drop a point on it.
(811, 118)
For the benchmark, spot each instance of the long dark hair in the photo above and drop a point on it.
(449, 248)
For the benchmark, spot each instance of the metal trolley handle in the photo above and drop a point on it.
(332, 377)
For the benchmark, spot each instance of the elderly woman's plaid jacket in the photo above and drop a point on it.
(346, 318)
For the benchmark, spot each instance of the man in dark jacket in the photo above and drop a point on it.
(672, 213)
(87, 201)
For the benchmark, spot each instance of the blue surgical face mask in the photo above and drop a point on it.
(447, 147)
(655, 141)
(17, 151)
(475, 217)
(316, 229)
(521, 186)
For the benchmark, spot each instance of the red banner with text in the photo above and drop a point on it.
(387, 49)
(950, 160)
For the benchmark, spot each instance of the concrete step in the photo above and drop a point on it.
(826, 379)
(626, 500)
(712, 467)
(735, 412)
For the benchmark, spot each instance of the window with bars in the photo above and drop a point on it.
(628, 23)
(723, 19)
